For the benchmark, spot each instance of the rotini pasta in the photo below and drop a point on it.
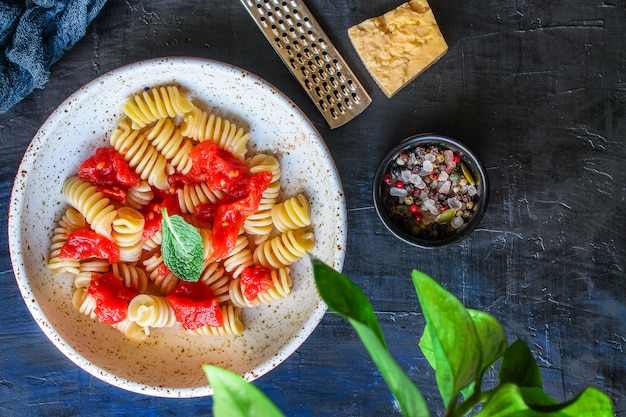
(281, 280)
(144, 158)
(132, 275)
(151, 311)
(168, 140)
(190, 195)
(91, 203)
(160, 274)
(260, 223)
(232, 324)
(131, 330)
(159, 132)
(202, 126)
(157, 103)
(72, 220)
(139, 196)
(127, 233)
(293, 213)
(239, 258)
(213, 276)
(87, 268)
(284, 249)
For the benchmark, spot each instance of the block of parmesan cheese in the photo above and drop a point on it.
(399, 45)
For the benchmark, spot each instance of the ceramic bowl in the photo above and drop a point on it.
(399, 201)
(169, 363)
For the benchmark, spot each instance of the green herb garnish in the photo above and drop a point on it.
(181, 247)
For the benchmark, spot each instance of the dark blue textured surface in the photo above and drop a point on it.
(536, 88)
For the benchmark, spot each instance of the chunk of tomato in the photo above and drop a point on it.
(216, 166)
(152, 214)
(109, 171)
(231, 212)
(195, 305)
(111, 297)
(254, 280)
(85, 243)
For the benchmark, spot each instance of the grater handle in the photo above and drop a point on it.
(307, 52)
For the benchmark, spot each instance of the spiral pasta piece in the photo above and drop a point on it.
(284, 249)
(168, 140)
(91, 203)
(132, 275)
(205, 234)
(84, 302)
(260, 223)
(233, 325)
(237, 298)
(193, 194)
(239, 258)
(153, 242)
(131, 330)
(70, 221)
(140, 195)
(141, 156)
(281, 289)
(213, 276)
(202, 126)
(160, 274)
(293, 213)
(127, 233)
(88, 268)
(151, 311)
(157, 103)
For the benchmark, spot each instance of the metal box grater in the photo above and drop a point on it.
(305, 49)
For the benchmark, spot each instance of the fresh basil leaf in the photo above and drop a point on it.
(234, 397)
(181, 247)
(493, 344)
(452, 337)
(519, 367)
(345, 298)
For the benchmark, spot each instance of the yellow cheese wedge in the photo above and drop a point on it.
(400, 45)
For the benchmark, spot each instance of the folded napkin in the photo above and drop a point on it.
(33, 36)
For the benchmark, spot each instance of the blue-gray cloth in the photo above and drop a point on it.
(33, 36)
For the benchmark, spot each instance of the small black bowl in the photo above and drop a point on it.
(436, 223)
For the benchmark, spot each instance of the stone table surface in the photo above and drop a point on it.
(536, 88)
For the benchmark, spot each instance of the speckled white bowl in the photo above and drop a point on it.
(169, 363)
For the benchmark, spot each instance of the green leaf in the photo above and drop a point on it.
(452, 338)
(591, 402)
(181, 247)
(493, 343)
(519, 367)
(508, 400)
(505, 401)
(234, 397)
(345, 298)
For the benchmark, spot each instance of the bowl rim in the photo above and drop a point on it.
(469, 157)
